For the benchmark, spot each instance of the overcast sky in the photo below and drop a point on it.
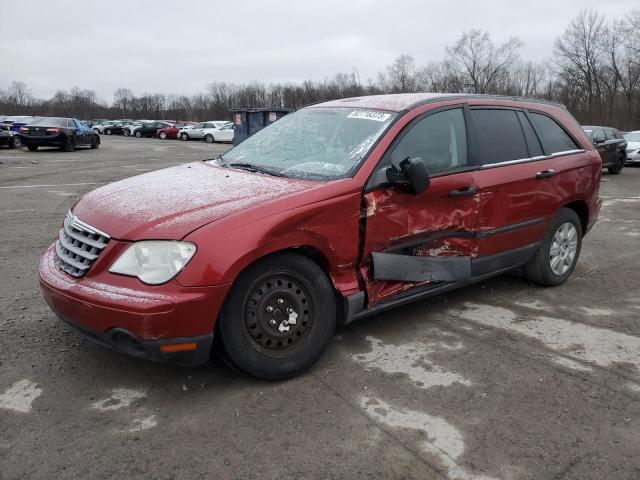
(181, 46)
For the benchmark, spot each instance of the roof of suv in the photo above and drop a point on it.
(403, 101)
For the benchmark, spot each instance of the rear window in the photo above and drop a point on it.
(500, 136)
(52, 122)
(553, 137)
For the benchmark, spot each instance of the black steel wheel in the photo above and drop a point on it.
(278, 318)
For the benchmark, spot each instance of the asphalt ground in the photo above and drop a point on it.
(500, 380)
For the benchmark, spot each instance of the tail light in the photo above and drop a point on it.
(24, 130)
(53, 131)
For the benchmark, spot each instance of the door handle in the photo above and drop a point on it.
(464, 191)
(545, 174)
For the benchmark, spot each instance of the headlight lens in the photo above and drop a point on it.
(154, 261)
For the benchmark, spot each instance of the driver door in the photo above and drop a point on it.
(422, 240)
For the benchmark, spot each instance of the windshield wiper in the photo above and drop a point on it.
(256, 168)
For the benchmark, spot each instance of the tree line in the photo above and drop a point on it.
(594, 69)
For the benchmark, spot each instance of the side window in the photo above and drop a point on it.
(608, 134)
(598, 133)
(199, 125)
(439, 139)
(535, 149)
(500, 136)
(554, 138)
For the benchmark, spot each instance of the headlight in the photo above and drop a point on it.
(154, 261)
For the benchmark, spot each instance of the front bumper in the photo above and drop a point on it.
(633, 158)
(140, 321)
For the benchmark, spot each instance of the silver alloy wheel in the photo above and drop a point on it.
(563, 249)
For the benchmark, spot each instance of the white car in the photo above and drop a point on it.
(99, 127)
(633, 147)
(197, 132)
(219, 133)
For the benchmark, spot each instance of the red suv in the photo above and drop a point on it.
(333, 213)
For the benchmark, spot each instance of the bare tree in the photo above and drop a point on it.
(123, 99)
(478, 65)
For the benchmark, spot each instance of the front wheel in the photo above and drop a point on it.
(15, 142)
(126, 132)
(138, 134)
(108, 131)
(617, 168)
(184, 136)
(559, 250)
(278, 318)
(163, 135)
(209, 138)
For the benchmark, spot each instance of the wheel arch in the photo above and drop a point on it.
(582, 210)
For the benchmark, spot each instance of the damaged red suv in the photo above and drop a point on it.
(335, 212)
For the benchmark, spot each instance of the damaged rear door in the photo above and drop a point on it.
(418, 240)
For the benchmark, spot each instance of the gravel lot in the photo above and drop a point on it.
(501, 380)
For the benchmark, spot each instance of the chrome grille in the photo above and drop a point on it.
(78, 245)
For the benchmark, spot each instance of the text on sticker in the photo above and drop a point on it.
(369, 115)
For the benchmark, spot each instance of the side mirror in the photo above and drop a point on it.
(410, 171)
(597, 140)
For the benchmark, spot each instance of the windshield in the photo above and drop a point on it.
(315, 143)
(632, 137)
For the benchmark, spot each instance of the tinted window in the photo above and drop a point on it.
(535, 149)
(51, 122)
(608, 134)
(554, 138)
(500, 136)
(439, 139)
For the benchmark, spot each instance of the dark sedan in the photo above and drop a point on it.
(9, 138)
(65, 133)
(150, 129)
(116, 128)
(610, 144)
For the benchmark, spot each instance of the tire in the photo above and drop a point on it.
(15, 142)
(108, 131)
(163, 135)
(69, 144)
(32, 148)
(138, 134)
(617, 168)
(253, 327)
(209, 138)
(95, 142)
(540, 268)
(126, 132)
(184, 137)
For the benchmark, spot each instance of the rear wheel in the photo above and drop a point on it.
(278, 318)
(126, 132)
(32, 148)
(138, 134)
(558, 252)
(163, 135)
(95, 142)
(108, 131)
(69, 144)
(209, 138)
(184, 136)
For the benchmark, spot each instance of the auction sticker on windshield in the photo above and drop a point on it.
(369, 115)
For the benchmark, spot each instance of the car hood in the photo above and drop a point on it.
(171, 203)
(633, 145)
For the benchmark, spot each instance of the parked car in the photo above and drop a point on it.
(99, 127)
(116, 128)
(172, 132)
(611, 145)
(130, 130)
(633, 147)
(197, 131)
(65, 133)
(9, 138)
(219, 133)
(150, 129)
(16, 122)
(333, 213)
